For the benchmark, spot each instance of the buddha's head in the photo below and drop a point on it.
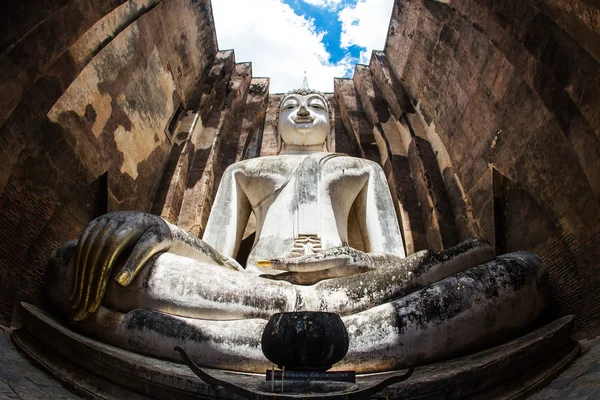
(304, 120)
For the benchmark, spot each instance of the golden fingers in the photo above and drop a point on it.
(82, 264)
(96, 249)
(147, 247)
(123, 278)
(116, 245)
(77, 278)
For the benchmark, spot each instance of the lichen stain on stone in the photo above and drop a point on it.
(180, 49)
(53, 167)
(169, 326)
(434, 304)
(163, 324)
(448, 298)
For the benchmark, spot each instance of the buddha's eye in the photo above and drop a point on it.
(288, 106)
(318, 105)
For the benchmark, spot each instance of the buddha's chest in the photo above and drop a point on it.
(305, 182)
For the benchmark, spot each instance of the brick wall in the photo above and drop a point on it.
(510, 86)
(96, 89)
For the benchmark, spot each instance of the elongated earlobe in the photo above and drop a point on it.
(329, 141)
(278, 140)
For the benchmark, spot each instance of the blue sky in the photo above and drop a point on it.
(284, 38)
(326, 20)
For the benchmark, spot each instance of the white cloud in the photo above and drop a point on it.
(365, 24)
(333, 4)
(280, 44)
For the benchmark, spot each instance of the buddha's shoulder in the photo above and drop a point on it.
(354, 163)
(285, 163)
(265, 164)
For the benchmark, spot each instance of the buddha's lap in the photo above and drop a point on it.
(196, 289)
(415, 328)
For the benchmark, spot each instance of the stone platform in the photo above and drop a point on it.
(94, 370)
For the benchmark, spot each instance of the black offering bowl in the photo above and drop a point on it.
(305, 341)
(306, 344)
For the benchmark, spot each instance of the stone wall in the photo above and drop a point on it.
(506, 95)
(484, 116)
(88, 92)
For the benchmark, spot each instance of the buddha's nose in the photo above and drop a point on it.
(303, 111)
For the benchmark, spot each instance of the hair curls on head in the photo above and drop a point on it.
(304, 92)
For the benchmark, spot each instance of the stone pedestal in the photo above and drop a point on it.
(94, 370)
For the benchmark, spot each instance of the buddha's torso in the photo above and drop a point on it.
(298, 201)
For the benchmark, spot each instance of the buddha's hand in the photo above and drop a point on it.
(103, 241)
(334, 258)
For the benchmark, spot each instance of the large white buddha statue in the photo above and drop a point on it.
(137, 282)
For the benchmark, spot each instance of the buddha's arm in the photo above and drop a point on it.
(110, 235)
(107, 237)
(229, 215)
(377, 217)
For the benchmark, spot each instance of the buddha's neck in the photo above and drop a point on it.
(292, 149)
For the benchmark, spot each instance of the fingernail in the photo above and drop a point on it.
(123, 278)
(264, 263)
(80, 316)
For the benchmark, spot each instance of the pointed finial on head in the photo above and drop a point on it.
(305, 82)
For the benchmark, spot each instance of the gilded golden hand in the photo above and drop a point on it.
(102, 243)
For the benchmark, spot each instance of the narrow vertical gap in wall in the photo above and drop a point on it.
(252, 148)
(101, 206)
(178, 131)
(404, 120)
(499, 211)
(173, 122)
(253, 143)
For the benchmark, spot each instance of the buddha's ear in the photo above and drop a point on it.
(278, 140)
(329, 141)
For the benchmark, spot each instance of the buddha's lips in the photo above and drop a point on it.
(304, 120)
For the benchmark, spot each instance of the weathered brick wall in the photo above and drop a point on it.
(91, 90)
(565, 281)
(512, 86)
(20, 224)
(574, 279)
(587, 257)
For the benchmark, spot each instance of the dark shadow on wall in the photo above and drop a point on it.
(522, 224)
(67, 223)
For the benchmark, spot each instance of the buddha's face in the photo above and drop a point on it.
(303, 120)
